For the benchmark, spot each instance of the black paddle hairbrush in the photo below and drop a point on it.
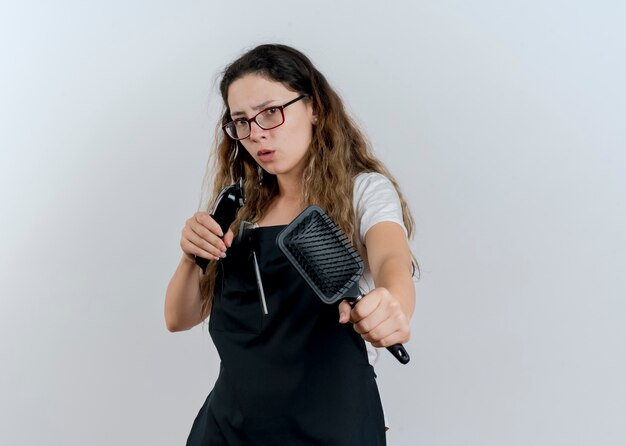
(326, 259)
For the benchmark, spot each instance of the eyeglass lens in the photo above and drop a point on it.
(267, 119)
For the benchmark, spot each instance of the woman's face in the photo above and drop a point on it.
(281, 150)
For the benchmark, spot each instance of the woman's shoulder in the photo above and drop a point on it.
(367, 174)
(370, 177)
(375, 200)
(366, 183)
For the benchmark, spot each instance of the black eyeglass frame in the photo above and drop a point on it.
(253, 119)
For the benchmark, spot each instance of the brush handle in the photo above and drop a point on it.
(396, 350)
(400, 353)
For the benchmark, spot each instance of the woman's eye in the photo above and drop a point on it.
(271, 111)
(240, 123)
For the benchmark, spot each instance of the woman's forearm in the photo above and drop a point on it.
(396, 277)
(182, 299)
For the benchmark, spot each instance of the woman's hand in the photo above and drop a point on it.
(378, 317)
(203, 237)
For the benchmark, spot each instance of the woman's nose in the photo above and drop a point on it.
(256, 131)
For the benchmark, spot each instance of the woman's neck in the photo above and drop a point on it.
(286, 206)
(290, 188)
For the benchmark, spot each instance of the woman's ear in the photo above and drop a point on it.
(313, 111)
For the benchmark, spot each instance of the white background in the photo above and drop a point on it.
(502, 120)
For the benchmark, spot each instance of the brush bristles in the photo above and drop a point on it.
(324, 253)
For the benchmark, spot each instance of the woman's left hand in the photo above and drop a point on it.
(378, 318)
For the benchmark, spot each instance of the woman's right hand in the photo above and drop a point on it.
(203, 237)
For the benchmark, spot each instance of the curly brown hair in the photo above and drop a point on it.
(338, 151)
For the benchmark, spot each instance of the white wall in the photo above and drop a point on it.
(503, 122)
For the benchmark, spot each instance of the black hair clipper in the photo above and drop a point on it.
(224, 211)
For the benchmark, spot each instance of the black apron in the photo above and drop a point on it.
(295, 376)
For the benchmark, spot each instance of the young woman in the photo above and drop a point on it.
(298, 375)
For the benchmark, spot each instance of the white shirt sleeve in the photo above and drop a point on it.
(375, 200)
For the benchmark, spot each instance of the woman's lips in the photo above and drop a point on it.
(265, 155)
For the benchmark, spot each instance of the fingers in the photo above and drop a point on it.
(205, 220)
(201, 236)
(379, 319)
(368, 305)
(388, 333)
(228, 238)
(192, 244)
(344, 312)
(363, 325)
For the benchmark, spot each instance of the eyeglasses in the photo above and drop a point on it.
(267, 119)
